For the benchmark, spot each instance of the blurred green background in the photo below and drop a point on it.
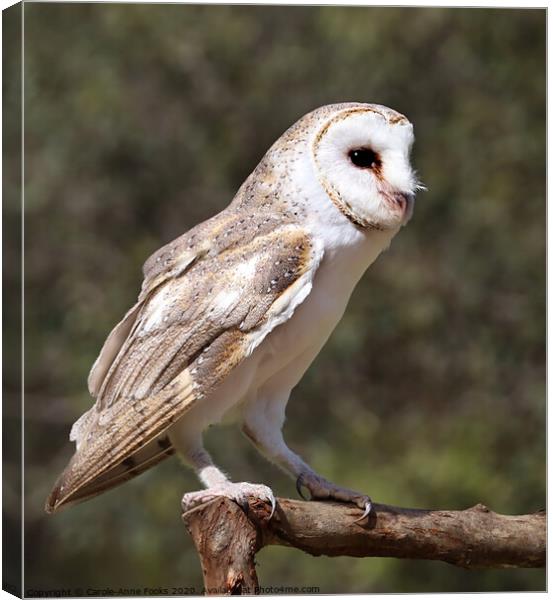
(143, 120)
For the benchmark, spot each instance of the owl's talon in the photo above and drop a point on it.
(273, 507)
(299, 484)
(366, 512)
(244, 505)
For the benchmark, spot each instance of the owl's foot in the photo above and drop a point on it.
(321, 489)
(239, 492)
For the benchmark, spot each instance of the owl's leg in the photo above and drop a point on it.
(217, 484)
(262, 425)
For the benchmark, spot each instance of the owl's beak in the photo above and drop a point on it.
(406, 201)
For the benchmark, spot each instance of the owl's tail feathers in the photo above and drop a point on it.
(66, 493)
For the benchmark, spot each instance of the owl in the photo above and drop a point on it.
(232, 313)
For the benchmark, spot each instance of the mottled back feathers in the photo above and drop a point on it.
(208, 299)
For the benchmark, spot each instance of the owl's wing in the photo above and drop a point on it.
(191, 327)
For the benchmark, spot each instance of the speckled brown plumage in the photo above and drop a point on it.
(160, 372)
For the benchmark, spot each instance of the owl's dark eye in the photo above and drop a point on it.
(364, 158)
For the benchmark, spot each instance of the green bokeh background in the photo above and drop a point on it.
(143, 120)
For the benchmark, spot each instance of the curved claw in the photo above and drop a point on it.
(366, 512)
(273, 507)
(299, 483)
(244, 505)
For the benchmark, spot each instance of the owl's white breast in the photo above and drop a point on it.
(314, 320)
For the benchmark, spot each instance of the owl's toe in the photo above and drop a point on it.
(238, 492)
(321, 489)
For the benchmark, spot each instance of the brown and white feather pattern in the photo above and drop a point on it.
(211, 296)
(202, 310)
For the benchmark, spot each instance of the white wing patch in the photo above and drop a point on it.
(283, 308)
(158, 307)
(247, 269)
(225, 301)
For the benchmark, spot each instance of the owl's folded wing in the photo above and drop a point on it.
(194, 323)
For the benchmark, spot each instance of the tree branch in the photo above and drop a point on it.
(227, 540)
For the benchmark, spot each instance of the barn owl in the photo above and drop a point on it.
(232, 313)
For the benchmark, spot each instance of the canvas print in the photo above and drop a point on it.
(275, 299)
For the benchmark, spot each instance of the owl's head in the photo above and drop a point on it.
(361, 159)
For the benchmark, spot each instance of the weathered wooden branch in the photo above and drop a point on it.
(227, 540)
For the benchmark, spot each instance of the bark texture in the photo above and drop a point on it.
(227, 540)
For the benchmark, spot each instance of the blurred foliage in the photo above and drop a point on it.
(142, 120)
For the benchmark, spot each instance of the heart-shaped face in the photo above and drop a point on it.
(361, 158)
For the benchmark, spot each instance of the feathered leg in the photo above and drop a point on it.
(217, 484)
(262, 425)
